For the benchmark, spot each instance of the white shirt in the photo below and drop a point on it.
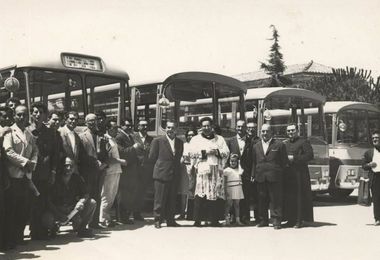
(71, 136)
(241, 143)
(142, 137)
(376, 159)
(171, 142)
(265, 145)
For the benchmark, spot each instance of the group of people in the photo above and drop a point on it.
(54, 173)
(241, 172)
(51, 175)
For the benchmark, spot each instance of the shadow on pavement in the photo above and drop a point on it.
(328, 201)
(317, 224)
(63, 238)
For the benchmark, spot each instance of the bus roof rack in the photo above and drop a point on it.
(193, 85)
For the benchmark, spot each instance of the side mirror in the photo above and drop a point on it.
(11, 84)
(267, 115)
(342, 126)
(164, 102)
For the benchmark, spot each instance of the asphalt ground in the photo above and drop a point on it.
(342, 230)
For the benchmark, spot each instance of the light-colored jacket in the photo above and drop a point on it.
(88, 143)
(19, 150)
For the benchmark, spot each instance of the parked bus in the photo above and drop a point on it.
(187, 97)
(280, 106)
(349, 126)
(68, 81)
(277, 106)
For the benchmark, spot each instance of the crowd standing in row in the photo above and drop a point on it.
(78, 178)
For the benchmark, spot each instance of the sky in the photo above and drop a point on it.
(153, 39)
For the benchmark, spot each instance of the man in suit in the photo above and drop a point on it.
(5, 117)
(236, 145)
(249, 188)
(45, 172)
(297, 186)
(71, 143)
(128, 179)
(371, 163)
(93, 168)
(21, 151)
(166, 151)
(269, 159)
(144, 167)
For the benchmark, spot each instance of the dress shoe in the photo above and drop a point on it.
(107, 224)
(181, 217)
(138, 217)
(263, 224)
(96, 226)
(172, 224)
(85, 233)
(215, 224)
(197, 224)
(289, 224)
(157, 224)
(128, 222)
(377, 223)
(277, 226)
(238, 223)
(299, 225)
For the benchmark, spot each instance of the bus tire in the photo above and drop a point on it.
(340, 193)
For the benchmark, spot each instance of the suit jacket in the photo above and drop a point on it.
(367, 158)
(74, 153)
(19, 151)
(167, 164)
(271, 165)
(143, 154)
(91, 167)
(48, 152)
(88, 143)
(246, 157)
(233, 145)
(125, 144)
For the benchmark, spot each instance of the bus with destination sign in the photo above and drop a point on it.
(68, 81)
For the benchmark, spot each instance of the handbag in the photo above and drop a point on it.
(364, 195)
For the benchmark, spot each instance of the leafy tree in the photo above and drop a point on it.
(347, 84)
(275, 66)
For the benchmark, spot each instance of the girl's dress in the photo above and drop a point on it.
(234, 184)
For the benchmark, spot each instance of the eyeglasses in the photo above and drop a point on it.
(290, 130)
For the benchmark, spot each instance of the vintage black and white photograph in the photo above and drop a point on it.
(168, 129)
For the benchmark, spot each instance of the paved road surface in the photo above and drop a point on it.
(342, 231)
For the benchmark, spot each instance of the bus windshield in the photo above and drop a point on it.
(190, 113)
(355, 126)
(69, 86)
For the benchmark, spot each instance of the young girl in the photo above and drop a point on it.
(234, 190)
